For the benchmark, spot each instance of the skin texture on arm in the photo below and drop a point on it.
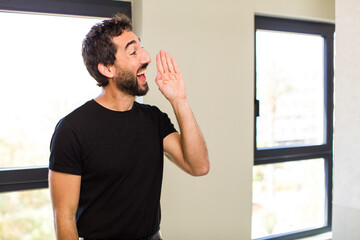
(187, 149)
(65, 192)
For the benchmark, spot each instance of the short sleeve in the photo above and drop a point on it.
(65, 149)
(166, 125)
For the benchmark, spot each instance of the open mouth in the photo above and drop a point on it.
(141, 73)
(142, 70)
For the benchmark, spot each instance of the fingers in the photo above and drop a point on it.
(176, 66)
(169, 63)
(159, 64)
(165, 63)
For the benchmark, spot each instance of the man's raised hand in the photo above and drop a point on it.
(169, 79)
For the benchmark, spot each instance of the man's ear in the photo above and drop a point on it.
(107, 71)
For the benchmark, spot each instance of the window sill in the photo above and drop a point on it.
(323, 236)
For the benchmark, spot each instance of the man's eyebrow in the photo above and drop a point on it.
(129, 43)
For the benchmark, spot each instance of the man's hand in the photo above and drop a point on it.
(169, 79)
(188, 149)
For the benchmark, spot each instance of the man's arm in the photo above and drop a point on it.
(65, 192)
(187, 149)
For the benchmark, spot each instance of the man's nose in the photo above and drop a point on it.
(145, 57)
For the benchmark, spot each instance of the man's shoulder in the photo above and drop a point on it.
(82, 111)
(78, 116)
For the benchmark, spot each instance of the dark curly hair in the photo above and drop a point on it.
(98, 47)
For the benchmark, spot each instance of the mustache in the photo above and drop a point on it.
(144, 66)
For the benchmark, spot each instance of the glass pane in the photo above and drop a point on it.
(287, 197)
(42, 79)
(290, 88)
(26, 215)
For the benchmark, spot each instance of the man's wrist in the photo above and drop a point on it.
(179, 103)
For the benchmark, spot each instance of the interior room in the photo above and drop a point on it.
(214, 45)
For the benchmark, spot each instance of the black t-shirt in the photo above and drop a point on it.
(119, 156)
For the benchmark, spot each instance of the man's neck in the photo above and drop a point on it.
(115, 100)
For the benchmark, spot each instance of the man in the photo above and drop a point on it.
(106, 158)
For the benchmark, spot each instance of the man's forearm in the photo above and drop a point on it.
(193, 155)
(66, 229)
(192, 141)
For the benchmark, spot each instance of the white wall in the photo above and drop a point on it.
(213, 42)
(346, 207)
(215, 56)
(321, 10)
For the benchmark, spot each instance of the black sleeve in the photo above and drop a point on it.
(65, 149)
(166, 125)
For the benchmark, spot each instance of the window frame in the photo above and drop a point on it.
(28, 178)
(296, 153)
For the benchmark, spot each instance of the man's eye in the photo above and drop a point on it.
(133, 53)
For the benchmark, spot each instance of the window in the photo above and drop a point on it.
(43, 78)
(26, 215)
(292, 174)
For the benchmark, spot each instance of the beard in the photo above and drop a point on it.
(127, 82)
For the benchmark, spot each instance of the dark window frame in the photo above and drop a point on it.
(28, 178)
(325, 151)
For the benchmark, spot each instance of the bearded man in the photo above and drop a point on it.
(106, 161)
